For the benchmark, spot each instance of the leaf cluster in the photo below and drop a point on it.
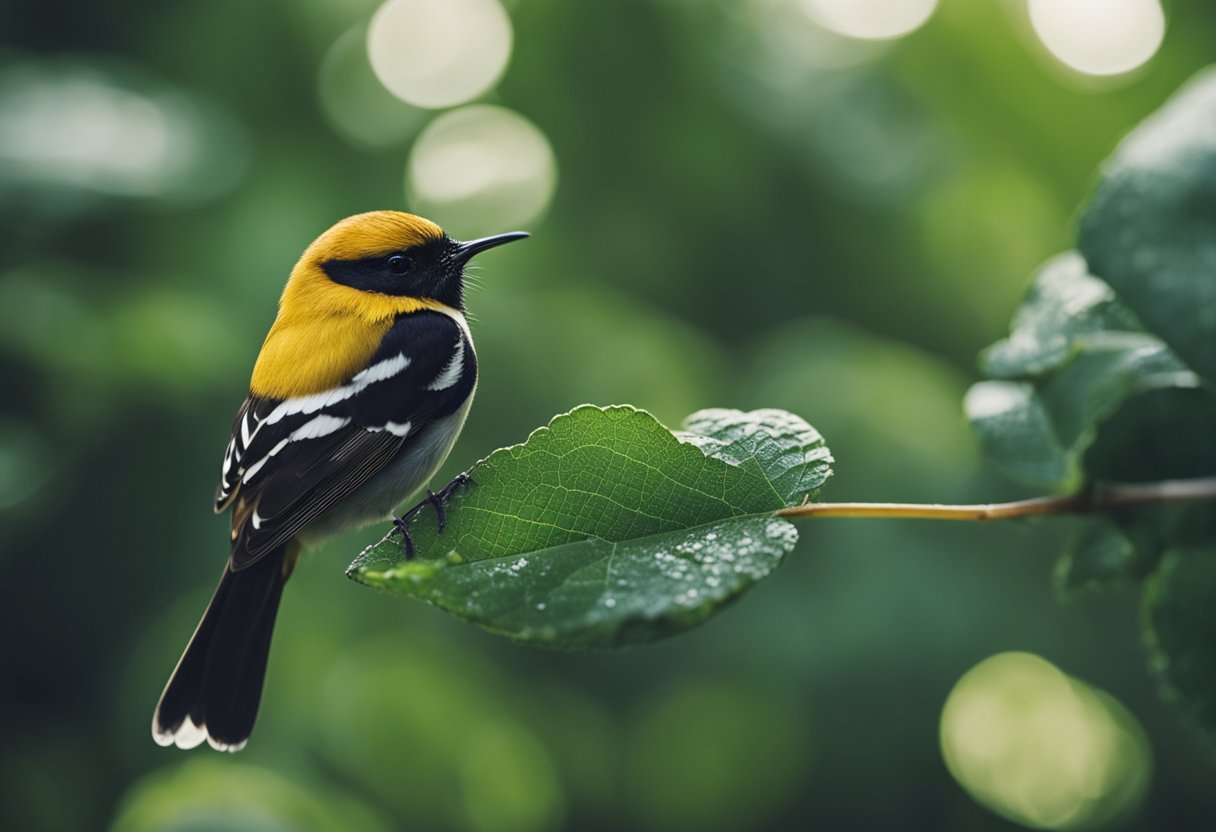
(1108, 375)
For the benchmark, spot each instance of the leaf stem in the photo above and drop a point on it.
(1097, 499)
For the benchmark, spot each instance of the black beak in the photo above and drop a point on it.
(465, 251)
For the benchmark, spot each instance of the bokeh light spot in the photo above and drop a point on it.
(1100, 37)
(439, 53)
(354, 101)
(1041, 748)
(101, 129)
(871, 19)
(481, 169)
(207, 793)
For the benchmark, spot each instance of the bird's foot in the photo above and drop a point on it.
(438, 501)
(402, 524)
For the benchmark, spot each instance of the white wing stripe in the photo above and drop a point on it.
(387, 368)
(322, 425)
(379, 371)
(451, 372)
(249, 473)
(310, 404)
(246, 433)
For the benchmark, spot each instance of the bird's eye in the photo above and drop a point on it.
(398, 264)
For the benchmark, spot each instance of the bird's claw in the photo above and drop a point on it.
(438, 501)
(402, 524)
(458, 482)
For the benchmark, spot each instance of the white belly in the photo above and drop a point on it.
(404, 476)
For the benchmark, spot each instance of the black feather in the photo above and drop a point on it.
(218, 682)
(304, 478)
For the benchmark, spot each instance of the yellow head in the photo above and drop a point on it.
(371, 234)
(371, 262)
(347, 289)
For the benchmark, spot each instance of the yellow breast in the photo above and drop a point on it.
(324, 334)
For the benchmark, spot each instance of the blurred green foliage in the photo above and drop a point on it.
(738, 222)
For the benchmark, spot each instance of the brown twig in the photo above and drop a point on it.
(1095, 500)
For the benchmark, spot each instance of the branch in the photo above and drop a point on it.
(1098, 499)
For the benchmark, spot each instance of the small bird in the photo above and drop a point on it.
(357, 396)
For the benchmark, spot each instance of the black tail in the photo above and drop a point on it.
(215, 689)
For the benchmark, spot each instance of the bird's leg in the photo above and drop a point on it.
(402, 525)
(439, 501)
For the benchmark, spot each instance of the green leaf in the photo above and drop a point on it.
(1162, 434)
(1150, 228)
(1112, 368)
(605, 529)
(1015, 433)
(1180, 620)
(1104, 554)
(1080, 375)
(1064, 307)
(791, 452)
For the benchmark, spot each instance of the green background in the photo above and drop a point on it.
(731, 227)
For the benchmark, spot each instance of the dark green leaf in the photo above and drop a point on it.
(1150, 229)
(1162, 434)
(1039, 430)
(606, 529)
(1064, 307)
(1015, 433)
(1112, 368)
(1102, 554)
(1180, 632)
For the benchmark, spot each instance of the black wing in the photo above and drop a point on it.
(289, 460)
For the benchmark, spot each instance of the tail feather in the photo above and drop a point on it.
(215, 690)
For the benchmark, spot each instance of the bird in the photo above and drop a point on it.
(356, 398)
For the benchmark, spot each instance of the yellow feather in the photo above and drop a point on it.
(371, 234)
(326, 332)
